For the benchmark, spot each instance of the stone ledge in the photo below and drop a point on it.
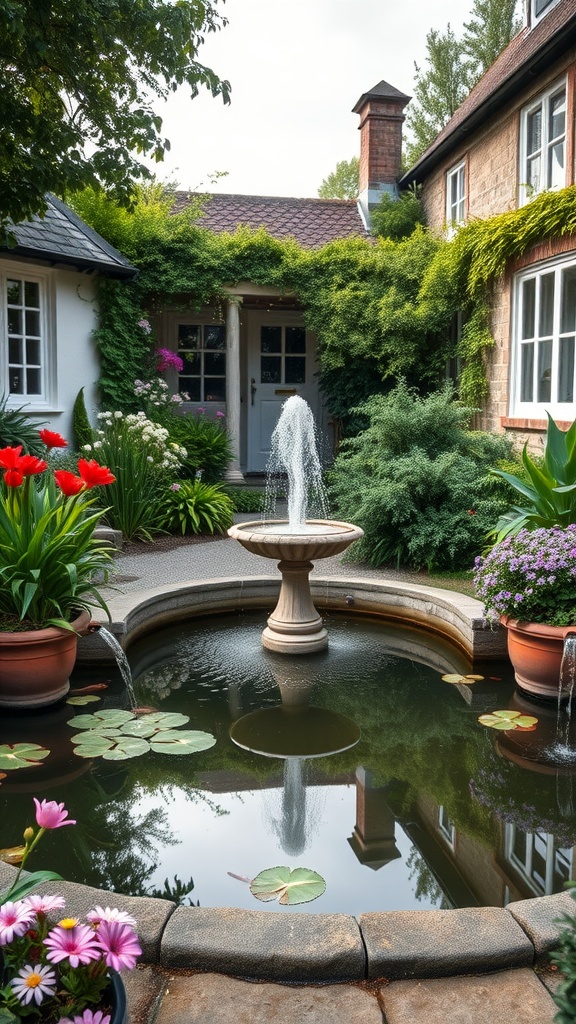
(538, 918)
(278, 946)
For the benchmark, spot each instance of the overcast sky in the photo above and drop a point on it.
(296, 67)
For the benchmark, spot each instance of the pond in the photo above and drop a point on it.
(360, 762)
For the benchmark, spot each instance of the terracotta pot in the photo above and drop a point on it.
(35, 665)
(535, 651)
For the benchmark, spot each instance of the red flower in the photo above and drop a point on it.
(9, 457)
(52, 440)
(28, 465)
(13, 478)
(68, 483)
(94, 475)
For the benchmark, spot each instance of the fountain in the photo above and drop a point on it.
(295, 627)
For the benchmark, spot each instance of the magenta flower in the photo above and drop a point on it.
(119, 944)
(166, 358)
(44, 904)
(99, 914)
(15, 918)
(88, 1017)
(76, 944)
(33, 983)
(49, 814)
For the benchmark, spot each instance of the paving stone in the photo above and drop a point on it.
(145, 987)
(285, 947)
(434, 943)
(214, 999)
(509, 997)
(539, 919)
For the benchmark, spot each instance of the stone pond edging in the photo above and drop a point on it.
(315, 948)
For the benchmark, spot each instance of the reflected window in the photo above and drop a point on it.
(446, 827)
(539, 858)
(202, 349)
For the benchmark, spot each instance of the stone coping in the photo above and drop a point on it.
(455, 623)
(307, 948)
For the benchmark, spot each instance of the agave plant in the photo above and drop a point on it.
(550, 490)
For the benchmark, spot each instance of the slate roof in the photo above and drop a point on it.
(312, 222)
(526, 57)
(62, 237)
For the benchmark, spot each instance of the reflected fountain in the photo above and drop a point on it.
(295, 627)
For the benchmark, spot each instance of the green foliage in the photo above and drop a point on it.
(77, 85)
(16, 428)
(342, 183)
(564, 958)
(196, 507)
(548, 486)
(414, 480)
(398, 218)
(491, 27)
(207, 444)
(246, 499)
(82, 430)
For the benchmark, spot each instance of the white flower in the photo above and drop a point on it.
(33, 983)
(118, 415)
(86, 447)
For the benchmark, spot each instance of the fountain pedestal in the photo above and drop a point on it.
(295, 626)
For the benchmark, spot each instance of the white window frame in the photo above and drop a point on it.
(446, 828)
(543, 334)
(554, 854)
(455, 208)
(44, 398)
(535, 17)
(527, 191)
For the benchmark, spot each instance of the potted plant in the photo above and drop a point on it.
(59, 971)
(49, 560)
(528, 580)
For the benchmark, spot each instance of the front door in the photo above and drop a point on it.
(281, 363)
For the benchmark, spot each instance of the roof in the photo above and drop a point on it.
(526, 57)
(311, 222)
(382, 91)
(63, 237)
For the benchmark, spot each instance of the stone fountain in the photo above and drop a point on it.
(295, 627)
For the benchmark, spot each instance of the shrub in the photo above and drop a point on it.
(416, 481)
(81, 426)
(196, 507)
(564, 958)
(16, 428)
(143, 460)
(246, 499)
(207, 445)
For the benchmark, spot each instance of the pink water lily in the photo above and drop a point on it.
(49, 814)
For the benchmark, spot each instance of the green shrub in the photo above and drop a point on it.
(416, 481)
(207, 445)
(564, 958)
(17, 428)
(81, 426)
(196, 507)
(246, 499)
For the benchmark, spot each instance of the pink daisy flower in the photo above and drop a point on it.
(75, 943)
(15, 918)
(110, 914)
(44, 904)
(88, 1017)
(119, 944)
(49, 814)
(34, 983)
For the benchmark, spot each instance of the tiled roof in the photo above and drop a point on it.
(312, 222)
(528, 54)
(62, 237)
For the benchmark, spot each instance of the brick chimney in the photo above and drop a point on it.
(381, 120)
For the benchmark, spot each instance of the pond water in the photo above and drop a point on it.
(359, 762)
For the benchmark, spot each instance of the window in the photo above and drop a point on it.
(202, 348)
(544, 356)
(456, 196)
(282, 355)
(538, 857)
(23, 332)
(538, 8)
(446, 826)
(543, 144)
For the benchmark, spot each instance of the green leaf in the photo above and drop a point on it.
(288, 886)
(21, 755)
(166, 719)
(101, 719)
(79, 701)
(29, 882)
(93, 742)
(126, 748)
(185, 742)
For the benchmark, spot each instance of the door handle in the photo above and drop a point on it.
(253, 390)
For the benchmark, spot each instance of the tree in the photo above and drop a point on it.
(438, 91)
(77, 82)
(342, 183)
(492, 25)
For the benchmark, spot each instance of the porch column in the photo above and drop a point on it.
(233, 473)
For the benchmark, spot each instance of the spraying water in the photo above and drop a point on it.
(294, 453)
(561, 750)
(122, 662)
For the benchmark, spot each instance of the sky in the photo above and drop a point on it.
(296, 68)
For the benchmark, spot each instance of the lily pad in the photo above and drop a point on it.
(503, 720)
(455, 677)
(129, 746)
(21, 755)
(189, 741)
(92, 744)
(102, 719)
(13, 854)
(166, 719)
(288, 886)
(88, 698)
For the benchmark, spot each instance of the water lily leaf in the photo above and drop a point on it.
(101, 719)
(92, 744)
(166, 719)
(509, 720)
(492, 722)
(187, 741)
(525, 722)
(139, 727)
(288, 886)
(86, 699)
(507, 714)
(454, 677)
(21, 755)
(13, 854)
(126, 747)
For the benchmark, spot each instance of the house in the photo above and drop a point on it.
(48, 314)
(512, 138)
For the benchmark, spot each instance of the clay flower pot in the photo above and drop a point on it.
(35, 665)
(535, 651)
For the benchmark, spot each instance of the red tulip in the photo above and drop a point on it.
(9, 457)
(52, 440)
(68, 483)
(13, 478)
(94, 475)
(29, 465)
